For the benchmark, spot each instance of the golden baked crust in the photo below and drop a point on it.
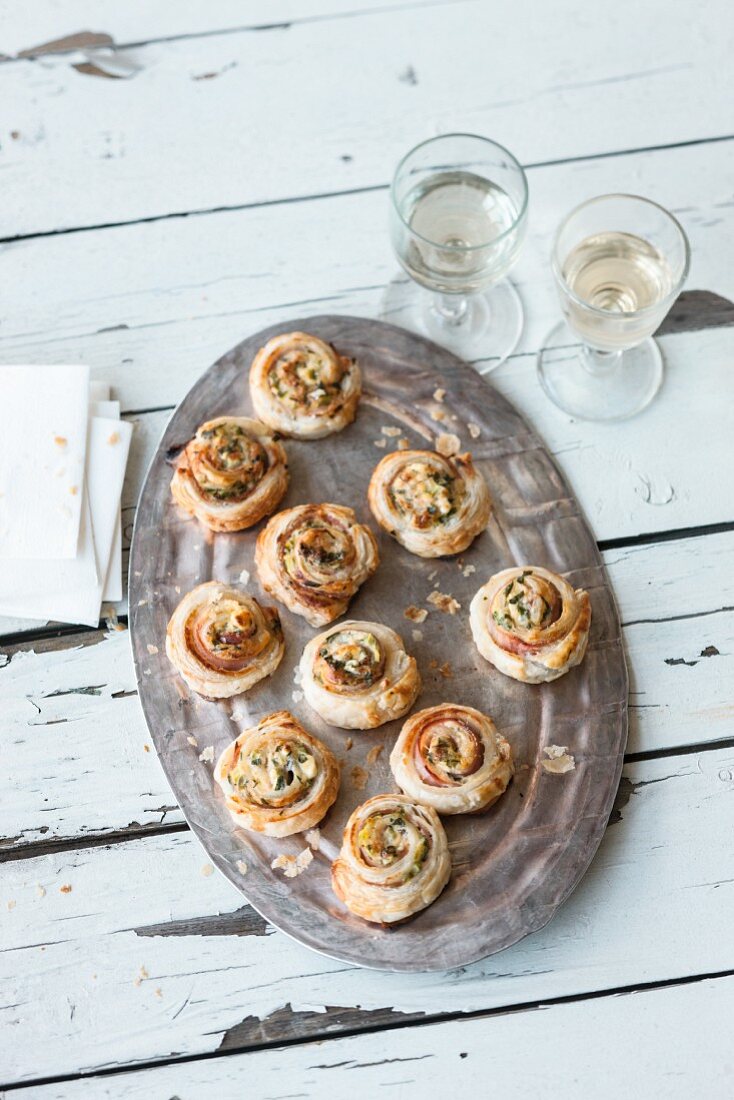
(394, 859)
(231, 474)
(313, 558)
(277, 778)
(530, 623)
(222, 641)
(432, 505)
(452, 758)
(357, 675)
(303, 387)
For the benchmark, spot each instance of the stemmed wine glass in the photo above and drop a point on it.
(458, 220)
(619, 263)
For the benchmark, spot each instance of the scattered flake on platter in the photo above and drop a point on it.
(559, 759)
(448, 444)
(359, 778)
(415, 614)
(391, 431)
(207, 755)
(380, 443)
(445, 669)
(373, 754)
(152, 649)
(432, 574)
(468, 570)
(293, 865)
(242, 866)
(313, 839)
(192, 741)
(244, 576)
(177, 589)
(207, 870)
(297, 674)
(443, 602)
(438, 415)
(417, 635)
(474, 430)
(348, 743)
(438, 395)
(403, 444)
(297, 696)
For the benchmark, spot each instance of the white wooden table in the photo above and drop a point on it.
(239, 178)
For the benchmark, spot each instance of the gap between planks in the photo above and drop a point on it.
(383, 1026)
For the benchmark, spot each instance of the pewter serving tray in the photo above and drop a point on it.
(514, 865)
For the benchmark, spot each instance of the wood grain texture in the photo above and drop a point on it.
(564, 1050)
(80, 696)
(71, 959)
(121, 161)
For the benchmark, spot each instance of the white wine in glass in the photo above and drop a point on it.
(619, 261)
(458, 219)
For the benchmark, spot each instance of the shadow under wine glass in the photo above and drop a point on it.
(620, 262)
(457, 223)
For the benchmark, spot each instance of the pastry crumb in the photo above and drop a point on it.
(40, 891)
(207, 754)
(390, 431)
(141, 975)
(474, 430)
(244, 576)
(159, 992)
(293, 865)
(152, 649)
(60, 440)
(313, 839)
(443, 602)
(297, 674)
(348, 743)
(415, 614)
(438, 414)
(113, 438)
(380, 443)
(192, 741)
(403, 444)
(11, 904)
(468, 570)
(359, 777)
(438, 395)
(417, 635)
(446, 670)
(65, 889)
(142, 603)
(207, 870)
(297, 696)
(448, 444)
(559, 760)
(177, 589)
(73, 489)
(146, 748)
(242, 866)
(373, 754)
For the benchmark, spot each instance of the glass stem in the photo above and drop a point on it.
(451, 308)
(601, 363)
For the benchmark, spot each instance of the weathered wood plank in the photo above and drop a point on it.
(71, 959)
(670, 1038)
(77, 710)
(25, 29)
(114, 159)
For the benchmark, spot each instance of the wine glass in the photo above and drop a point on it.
(619, 263)
(458, 220)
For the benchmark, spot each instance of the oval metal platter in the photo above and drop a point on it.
(512, 866)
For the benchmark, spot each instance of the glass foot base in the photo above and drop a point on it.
(488, 333)
(626, 388)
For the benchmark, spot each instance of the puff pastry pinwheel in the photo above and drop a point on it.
(222, 641)
(231, 474)
(358, 675)
(394, 859)
(277, 778)
(452, 758)
(530, 623)
(303, 387)
(432, 505)
(313, 558)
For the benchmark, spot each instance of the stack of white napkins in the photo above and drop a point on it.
(63, 452)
